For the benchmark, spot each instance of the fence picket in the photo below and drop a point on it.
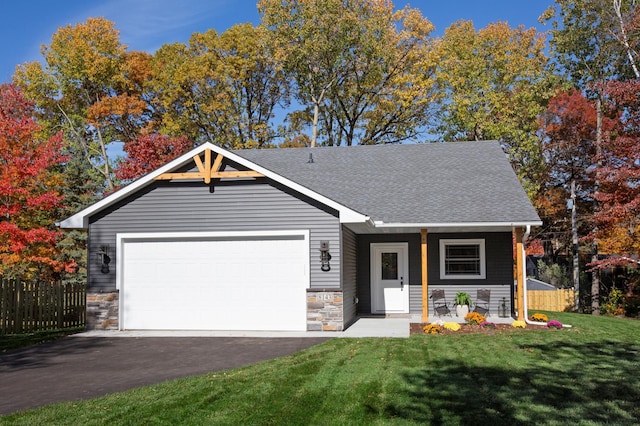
(557, 301)
(27, 307)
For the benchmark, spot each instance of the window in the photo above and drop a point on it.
(462, 259)
(389, 266)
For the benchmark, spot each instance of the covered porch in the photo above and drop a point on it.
(397, 270)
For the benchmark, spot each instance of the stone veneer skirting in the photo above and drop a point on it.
(102, 310)
(325, 310)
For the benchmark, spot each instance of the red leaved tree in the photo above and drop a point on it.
(148, 152)
(29, 204)
(618, 219)
(568, 134)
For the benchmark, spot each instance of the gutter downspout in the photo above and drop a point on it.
(524, 280)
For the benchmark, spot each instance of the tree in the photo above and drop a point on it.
(362, 71)
(568, 136)
(618, 218)
(496, 83)
(147, 153)
(90, 87)
(29, 202)
(590, 41)
(220, 88)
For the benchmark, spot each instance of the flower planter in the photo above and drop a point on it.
(462, 310)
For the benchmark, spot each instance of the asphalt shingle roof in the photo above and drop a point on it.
(419, 183)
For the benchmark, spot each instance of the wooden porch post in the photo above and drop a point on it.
(519, 271)
(425, 280)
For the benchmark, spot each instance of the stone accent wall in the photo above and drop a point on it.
(325, 310)
(102, 310)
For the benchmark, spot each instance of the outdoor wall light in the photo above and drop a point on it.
(103, 255)
(325, 257)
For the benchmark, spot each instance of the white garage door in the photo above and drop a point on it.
(239, 283)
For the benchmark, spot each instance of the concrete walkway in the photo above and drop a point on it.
(374, 326)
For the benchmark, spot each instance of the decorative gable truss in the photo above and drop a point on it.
(208, 170)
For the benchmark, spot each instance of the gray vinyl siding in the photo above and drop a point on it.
(229, 206)
(349, 274)
(364, 266)
(415, 298)
(497, 293)
(499, 269)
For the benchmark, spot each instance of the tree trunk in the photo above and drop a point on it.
(617, 5)
(574, 233)
(105, 157)
(595, 275)
(314, 130)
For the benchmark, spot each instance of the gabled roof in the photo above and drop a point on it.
(81, 219)
(442, 185)
(533, 284)
(421, 184)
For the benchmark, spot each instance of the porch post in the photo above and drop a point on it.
(519, 268)
(425, 281)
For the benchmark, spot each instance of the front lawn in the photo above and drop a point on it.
(589, 374)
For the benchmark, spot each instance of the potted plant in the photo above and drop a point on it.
(462, 302)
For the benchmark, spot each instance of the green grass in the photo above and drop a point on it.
(589, 374)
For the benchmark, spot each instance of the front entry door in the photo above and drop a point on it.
(389, 278)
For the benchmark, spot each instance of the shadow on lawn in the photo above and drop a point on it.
(562, 383)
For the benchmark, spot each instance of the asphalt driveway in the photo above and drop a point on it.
(81, 368)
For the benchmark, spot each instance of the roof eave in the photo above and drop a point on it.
(469, 226)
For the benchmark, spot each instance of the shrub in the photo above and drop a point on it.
(554, 324)
(614, 303)
(539, 317)
(432, 328)
(519, 324)
(474, 318)
(453, 326)
(557, 275)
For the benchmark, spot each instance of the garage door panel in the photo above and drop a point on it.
(248, 284)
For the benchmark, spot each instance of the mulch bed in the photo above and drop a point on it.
(418, 328)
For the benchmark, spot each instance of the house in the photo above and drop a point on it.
(304, 238)
(533, 284)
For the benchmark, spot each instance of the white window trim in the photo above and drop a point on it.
(483, 259)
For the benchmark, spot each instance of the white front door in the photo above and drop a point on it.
(389, 278)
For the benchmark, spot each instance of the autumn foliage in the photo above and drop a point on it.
(619, 195)
(568, 133)
(148, 152)
(28, 200)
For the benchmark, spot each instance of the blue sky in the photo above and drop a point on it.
(148, 24)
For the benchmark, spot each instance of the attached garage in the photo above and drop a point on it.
(213, 281)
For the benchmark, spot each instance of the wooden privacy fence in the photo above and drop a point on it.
(560, 300)
(27, 307)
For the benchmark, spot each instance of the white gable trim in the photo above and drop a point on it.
(81, 219)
